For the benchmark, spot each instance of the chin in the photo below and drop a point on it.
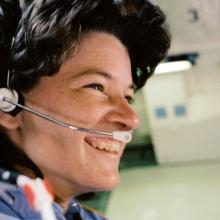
(107, 184)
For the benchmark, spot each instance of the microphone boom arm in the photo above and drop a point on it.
(122, 136)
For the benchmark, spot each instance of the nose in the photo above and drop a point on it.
(122, 115)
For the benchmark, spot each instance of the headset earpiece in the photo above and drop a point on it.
(12, 95)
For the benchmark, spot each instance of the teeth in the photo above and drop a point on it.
(107, 146)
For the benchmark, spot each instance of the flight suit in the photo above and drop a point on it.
(14, 206)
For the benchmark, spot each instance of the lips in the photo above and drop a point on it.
(104, 144)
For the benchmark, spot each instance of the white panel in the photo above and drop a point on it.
(164, 91)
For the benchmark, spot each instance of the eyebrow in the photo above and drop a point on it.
(92, 72)
(101, 73)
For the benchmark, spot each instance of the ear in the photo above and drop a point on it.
(10, 122)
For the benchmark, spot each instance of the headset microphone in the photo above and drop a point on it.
(12, 102)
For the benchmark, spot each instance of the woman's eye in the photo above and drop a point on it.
(129, 99)
(95, 86)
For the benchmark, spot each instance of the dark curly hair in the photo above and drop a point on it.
(37, 35)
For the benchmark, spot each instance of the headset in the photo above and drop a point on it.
(12, 102)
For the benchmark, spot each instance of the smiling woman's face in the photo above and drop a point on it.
(92, 89)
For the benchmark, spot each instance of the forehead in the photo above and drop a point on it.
(98, 50)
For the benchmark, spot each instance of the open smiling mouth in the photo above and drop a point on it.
(105, 145)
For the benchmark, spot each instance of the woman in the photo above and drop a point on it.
(79, 62)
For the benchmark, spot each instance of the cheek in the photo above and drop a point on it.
(46, 143)
(85, 110)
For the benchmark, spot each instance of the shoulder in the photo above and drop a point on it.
(13, 204)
